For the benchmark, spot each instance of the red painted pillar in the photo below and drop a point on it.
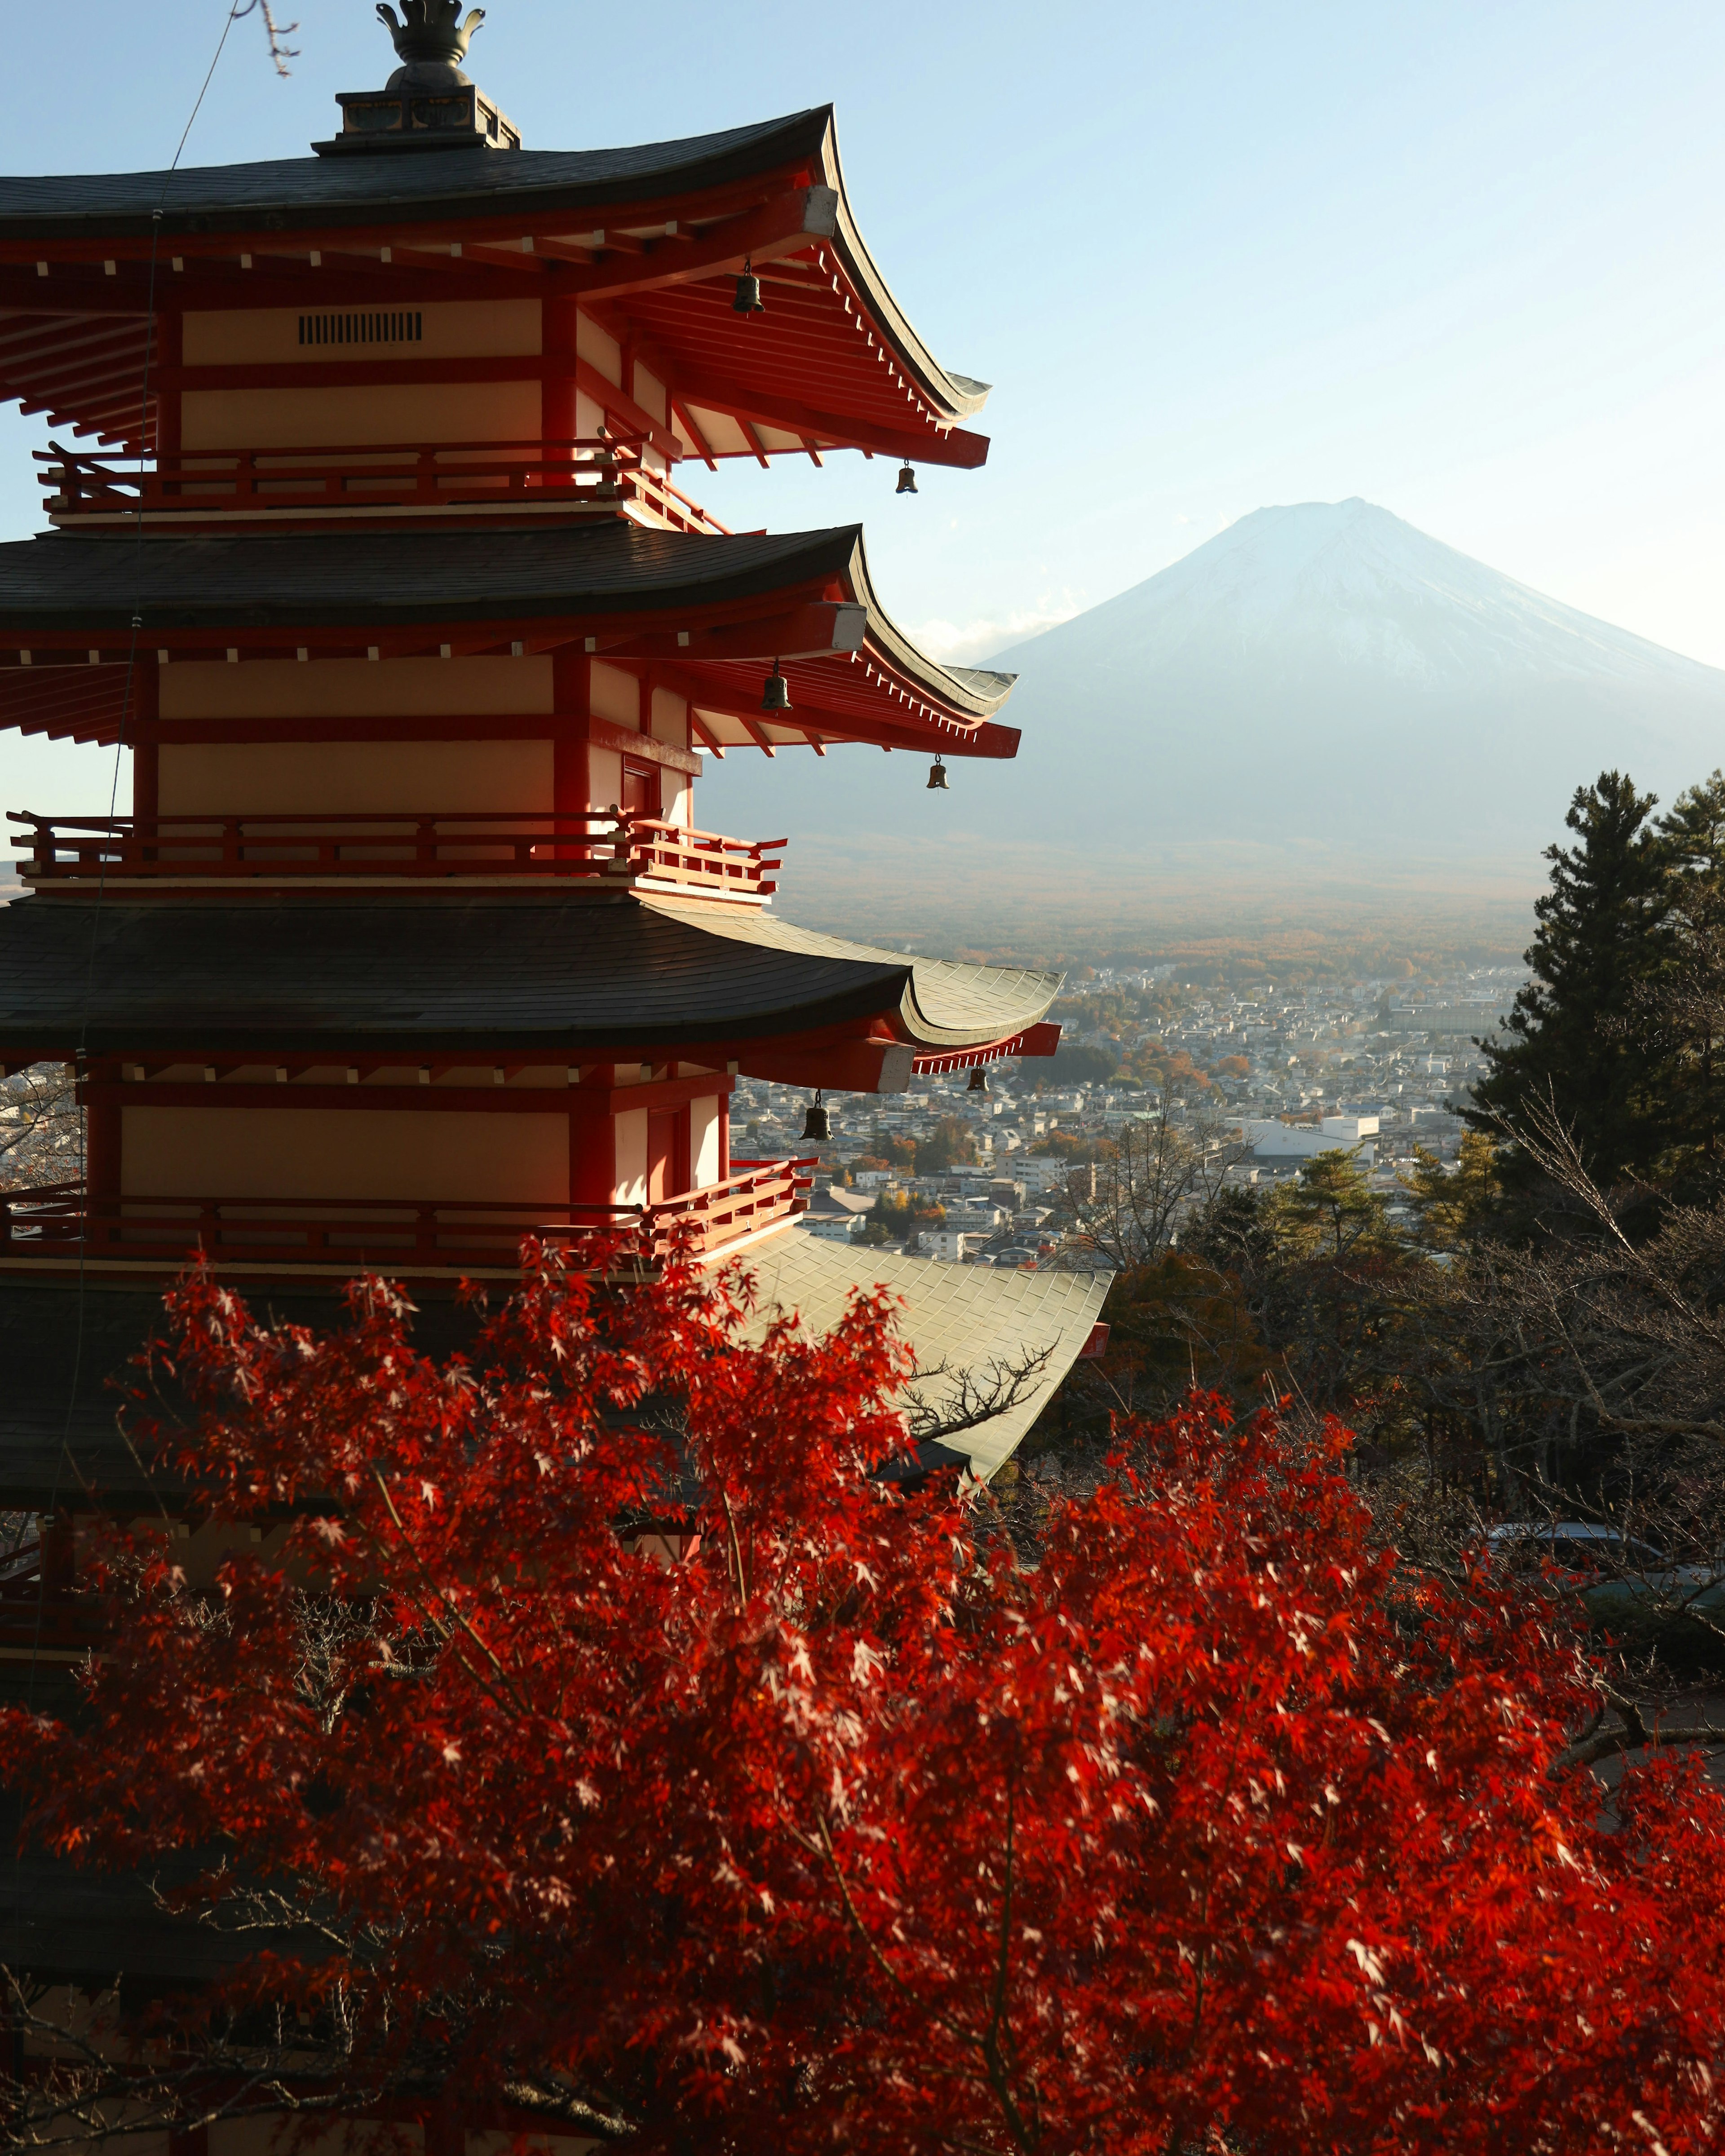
(59, 1554)
(592, 1151)
(446, 2132)
(571, 686)
(102, 1143)
(557, 397)
(143, 727)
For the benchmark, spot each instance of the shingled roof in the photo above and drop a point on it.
(72, 584)
(564, 978)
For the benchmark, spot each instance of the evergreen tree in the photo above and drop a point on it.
(1574, 1036)
(1681, 1013)
(1450, 1205)
(1693, 830)
(1330, 1210)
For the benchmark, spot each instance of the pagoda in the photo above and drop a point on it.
(369, 538)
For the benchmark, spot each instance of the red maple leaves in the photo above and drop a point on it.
(846, 1829)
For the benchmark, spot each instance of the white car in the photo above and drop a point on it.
(1618, 1574)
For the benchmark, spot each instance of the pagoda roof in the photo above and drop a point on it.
(73, 1923)
(958, 1318)
(655, 231)
(565, 980)
(712, 611)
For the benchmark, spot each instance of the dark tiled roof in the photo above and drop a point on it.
(51, 1455)
(957, 1318)
(266, 579)
(358, 189)
(350, 579)
(89, 1928)
(564, 977)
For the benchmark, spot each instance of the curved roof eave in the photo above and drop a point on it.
(352, 190)
(60, 584)
(322, 192)
(942, 1003)
(959, 393)
(965, 688)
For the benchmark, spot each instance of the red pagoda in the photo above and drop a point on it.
(370, 540)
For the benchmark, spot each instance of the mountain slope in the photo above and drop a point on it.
(1319, 675)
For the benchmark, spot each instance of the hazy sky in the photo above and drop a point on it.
(1463, 260)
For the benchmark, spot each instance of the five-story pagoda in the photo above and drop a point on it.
(376, 556)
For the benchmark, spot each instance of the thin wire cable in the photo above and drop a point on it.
(232, 17)
(63, 1459)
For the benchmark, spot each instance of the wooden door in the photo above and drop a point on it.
(666, 1175)
(640, 790)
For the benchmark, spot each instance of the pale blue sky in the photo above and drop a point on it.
(1462, 259)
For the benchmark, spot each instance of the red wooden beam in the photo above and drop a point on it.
(806, 631)
(743, 403)
(687, 427)
(778, 226)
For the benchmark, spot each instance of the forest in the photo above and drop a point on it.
(1535, 1331)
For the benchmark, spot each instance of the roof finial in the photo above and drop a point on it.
(431, 31)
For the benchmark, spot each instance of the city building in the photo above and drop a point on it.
(1273, 1140)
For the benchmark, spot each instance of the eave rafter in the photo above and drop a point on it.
(844, 371)
(842, 688)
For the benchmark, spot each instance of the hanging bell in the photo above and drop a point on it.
(937, 778)
(747, 299)
(978, 1081)
(906, 480)
(776, 691)
(816, 1127)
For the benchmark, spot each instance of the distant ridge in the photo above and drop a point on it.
(1318, 676)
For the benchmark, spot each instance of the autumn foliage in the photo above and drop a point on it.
(849, 1828)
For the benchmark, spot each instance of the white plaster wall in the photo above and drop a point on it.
(671, 719)
(615, 695)
(288, 778)
(357, 1153)
(630, 1188)
(604, 777)
(599, 349)
(267, 2136)
(493, 2142)
(649, 394)
(356, 415)
(358, 688)
(458, 329)
(704, 1142)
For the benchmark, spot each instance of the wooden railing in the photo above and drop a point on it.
(582, 471)
(60, 1220)
(622, 848)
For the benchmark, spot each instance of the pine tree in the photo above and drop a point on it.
(1330, 1210)
(1451, 1205)
(1574, 1036)
(1682, 1012)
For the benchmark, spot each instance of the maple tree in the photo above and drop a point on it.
(632, 1754)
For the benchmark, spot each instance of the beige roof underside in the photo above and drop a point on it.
(964, 1316)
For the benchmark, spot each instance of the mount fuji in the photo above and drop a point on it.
(1318, 676)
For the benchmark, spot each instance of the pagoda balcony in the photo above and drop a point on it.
(60, 1225)
(446, 481)
(622, 851)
